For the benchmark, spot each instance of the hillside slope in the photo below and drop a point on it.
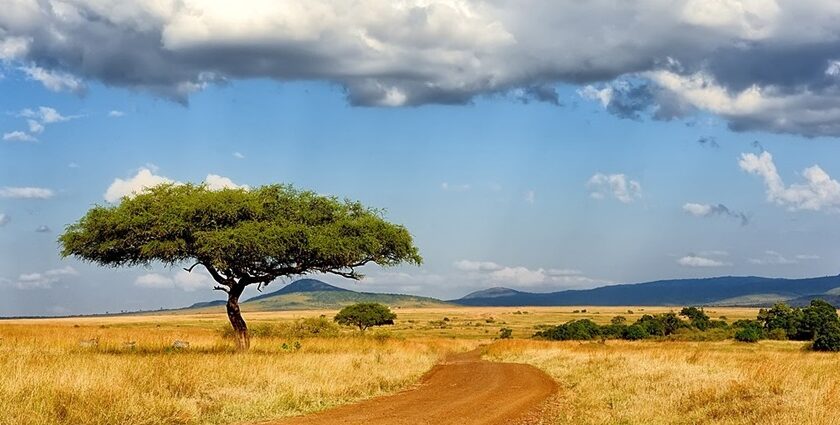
(312, 294)
(729, 290)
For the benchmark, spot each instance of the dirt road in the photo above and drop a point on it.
(463, 390)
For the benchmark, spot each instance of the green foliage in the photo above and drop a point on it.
(781, 318)
(651, 325)
(270, 231)
(505, 333)
(751, 332)
(817, 318)
(613, 331)
(635, 332)
(697, 317)
(583, 329)
(828, 338)
(818, 322)
(777, 334)
(365, 315)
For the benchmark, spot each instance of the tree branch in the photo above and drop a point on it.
(221, 288)
(216, 276)
(190, 268)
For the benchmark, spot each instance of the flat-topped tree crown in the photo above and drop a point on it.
(242, 237)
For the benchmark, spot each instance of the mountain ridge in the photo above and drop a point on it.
(720, 291)
(700, 291)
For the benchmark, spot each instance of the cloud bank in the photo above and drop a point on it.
(760, 65)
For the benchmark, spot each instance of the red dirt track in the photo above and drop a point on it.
(463, 390)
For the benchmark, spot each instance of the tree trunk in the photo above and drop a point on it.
(243, 340)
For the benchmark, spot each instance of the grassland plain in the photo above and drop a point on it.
(52, 379)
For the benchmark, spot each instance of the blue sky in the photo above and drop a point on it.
(537, 185)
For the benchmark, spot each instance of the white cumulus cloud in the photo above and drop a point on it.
(26, 193)
(19, 136)
(55, 80)
(217, 182)
(144, 179)
(698, 261)
(819, 191)
(186, 281)
(619, 186)
(43, 280)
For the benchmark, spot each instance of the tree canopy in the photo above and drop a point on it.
(260, 234)
(242, 237)
(365, 315)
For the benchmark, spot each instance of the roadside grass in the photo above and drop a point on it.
(49, 378)
(54, 374)
(680, 382)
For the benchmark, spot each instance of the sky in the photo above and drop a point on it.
(540, 146)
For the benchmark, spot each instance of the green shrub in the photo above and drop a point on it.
(583, 329)
(613, 330)
(635, 332)
(828, 338)
(505, 333)
(697, 317)
(816, 319)
(750, 333)
(781, 317)
(777, 334)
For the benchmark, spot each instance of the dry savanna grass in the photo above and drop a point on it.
(679, 382)
(52, 379)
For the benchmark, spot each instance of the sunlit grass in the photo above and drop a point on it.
(678, 382)
(53, 379)
(50, 378)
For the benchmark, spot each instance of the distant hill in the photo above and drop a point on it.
(729, 290)
(310, 294)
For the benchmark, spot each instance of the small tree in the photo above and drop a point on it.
(698, 318)
(781, 318)
(505, 333)
(750, 332)
(818, 316)
(242, 237)
(365, 315)
(635, 332)
(618, 320)
(828, 338)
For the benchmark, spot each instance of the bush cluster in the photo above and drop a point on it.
(647, 326)
(817, 322)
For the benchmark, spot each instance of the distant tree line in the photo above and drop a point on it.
(818, 323)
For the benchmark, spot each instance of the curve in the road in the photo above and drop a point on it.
(463, 390)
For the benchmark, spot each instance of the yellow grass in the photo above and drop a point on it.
(48, 378)
(675, 382)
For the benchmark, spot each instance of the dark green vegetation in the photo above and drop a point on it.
(818, 322)
(241, 237)
(365, 315)
(722, 291)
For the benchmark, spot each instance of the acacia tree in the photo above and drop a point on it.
(242, 237)
(365, 315)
